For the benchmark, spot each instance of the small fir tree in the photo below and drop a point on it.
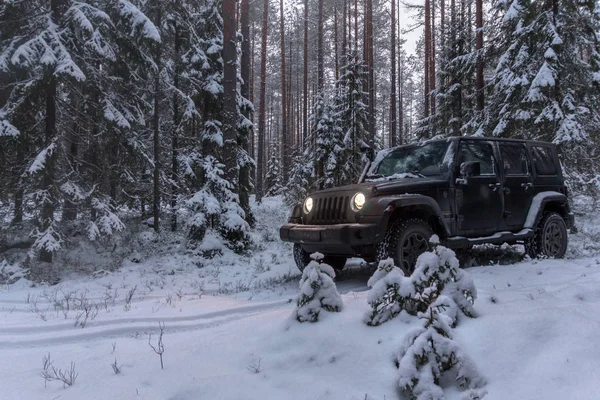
(317, 291)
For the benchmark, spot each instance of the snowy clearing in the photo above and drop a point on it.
(230, 331)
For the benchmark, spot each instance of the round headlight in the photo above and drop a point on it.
(358, 201)
(308, 205)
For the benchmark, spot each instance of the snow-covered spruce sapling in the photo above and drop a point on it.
(430, 352)
(436, 273)
(317, 291)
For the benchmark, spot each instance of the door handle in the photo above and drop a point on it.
(526, 185)
(494, 186)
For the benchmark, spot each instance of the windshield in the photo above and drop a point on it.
(418, 161)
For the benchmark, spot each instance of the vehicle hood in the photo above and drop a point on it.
(384, 187)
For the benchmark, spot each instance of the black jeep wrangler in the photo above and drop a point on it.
(465, 190)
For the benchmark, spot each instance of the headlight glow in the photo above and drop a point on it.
(308, 205)
(358, 201)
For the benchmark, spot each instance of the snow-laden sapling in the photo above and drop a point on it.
(436, 273)
(317, 291)
(430, 352)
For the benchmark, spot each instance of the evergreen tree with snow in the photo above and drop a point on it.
(317, 291)
(429, 353)
(546, 83)
(273, 179)
(216, 206)
(352, 114)
(436, 274)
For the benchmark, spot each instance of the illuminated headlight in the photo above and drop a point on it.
(358, 201)
(308, 205)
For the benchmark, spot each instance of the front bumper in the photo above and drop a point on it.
(339, 234)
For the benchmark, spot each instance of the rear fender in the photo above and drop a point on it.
(548, 201)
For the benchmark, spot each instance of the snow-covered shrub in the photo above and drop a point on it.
(436, 273)
(317, 291)
(430, 352)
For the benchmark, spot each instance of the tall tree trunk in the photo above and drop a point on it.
(400, 84)
(432, 60)
(371, 72)
(50, 132)
(69, 211)
(393, 75)
(156, 133)
(305, 77)
(230, 148)
(320, 67)
(245, 170)
(262, 104)
(344, 39)
(427, 54)
(355, 25)
(284, 121)
(479, 50)
(335, 44)
(174, 138)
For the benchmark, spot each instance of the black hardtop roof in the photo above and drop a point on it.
(482, 138)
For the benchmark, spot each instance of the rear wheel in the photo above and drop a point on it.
(404, 241)
(550, 238)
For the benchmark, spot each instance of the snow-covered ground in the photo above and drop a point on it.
(229, 331)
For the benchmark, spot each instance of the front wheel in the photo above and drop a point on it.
(404, 241)
(302, 259)
(550, 238)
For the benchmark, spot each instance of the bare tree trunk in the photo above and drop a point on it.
(335, 44)
(262, 112)
(393, 75)
(320, 67)
(174, 138)
(284, 121)
(427, 54)
(230, 148)
(156, 132)
(479, 50)
(432, 59)
(355, 25)
(400, 85)
(371, 72)
(245, 170)
(344, 33)
(305, 79)
(48, 202)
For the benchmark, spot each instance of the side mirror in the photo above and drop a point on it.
(470, 168)
(368, 151)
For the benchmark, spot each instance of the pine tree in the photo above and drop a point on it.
(352, 113)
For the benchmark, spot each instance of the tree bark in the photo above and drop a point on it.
(479, 49)
(393, 75)
(230, 148)
(320, 63)
(156, 132)
(174, 144)
(427, 54)
(432, 60)
(335, 44)
(305, 77)
(371, 71)
(245, 171)
(262, 102)
(284, 121)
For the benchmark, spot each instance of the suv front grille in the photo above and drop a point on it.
(330, 210)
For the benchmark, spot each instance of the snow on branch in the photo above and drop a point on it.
(139, 20)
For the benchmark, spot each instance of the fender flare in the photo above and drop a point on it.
(388, 204)
(538, 204)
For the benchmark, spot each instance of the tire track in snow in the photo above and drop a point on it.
(40, 335)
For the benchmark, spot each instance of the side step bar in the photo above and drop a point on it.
(497, 238)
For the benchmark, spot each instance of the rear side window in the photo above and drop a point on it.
(543, 160)
(478, 151)
(514, 159)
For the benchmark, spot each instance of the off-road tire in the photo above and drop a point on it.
(302, 259)
(404, 241)
(550, 238)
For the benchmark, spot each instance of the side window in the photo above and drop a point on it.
(543, 160)
(478, 151)
(514, 159)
